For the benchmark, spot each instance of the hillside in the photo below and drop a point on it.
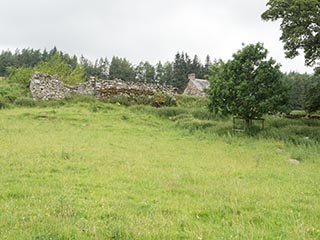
(92, 170)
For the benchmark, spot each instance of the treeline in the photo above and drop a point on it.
(18, 66)
(303, 93)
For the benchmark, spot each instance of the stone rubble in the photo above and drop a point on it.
(45, 87)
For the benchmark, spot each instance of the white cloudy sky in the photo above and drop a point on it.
(141, 29)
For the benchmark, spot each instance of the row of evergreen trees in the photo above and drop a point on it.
(71, 69)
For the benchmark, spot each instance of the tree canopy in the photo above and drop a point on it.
(247, 86)
(312, 99)
(56, 64)
(300, 26)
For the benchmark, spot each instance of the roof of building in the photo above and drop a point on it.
(201, 84)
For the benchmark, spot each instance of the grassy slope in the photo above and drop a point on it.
(70, 173)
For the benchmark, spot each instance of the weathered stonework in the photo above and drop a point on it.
(46, 87)
(196, 87)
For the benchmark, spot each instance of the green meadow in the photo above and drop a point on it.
(92, 170)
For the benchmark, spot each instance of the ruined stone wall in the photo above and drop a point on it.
(46, 87)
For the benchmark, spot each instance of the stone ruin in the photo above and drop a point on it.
(46, 87)
(196, 86)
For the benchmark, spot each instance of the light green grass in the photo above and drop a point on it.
(73, 173)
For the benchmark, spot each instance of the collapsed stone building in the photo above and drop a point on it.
(46, 87)
(196, 86)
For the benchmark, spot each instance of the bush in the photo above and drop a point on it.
(20, 76)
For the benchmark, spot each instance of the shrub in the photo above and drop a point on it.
(20, 76)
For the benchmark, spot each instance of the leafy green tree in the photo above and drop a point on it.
(103, 68)
(247, 86)
(196, 67)
(181, 69)
(20, 75)
(139, 72)
(150, 72)
(312, 103)
(145, 72)
(298, 85)
(207, 65)
(29, 58)
(75, 76)
(167, 73)
(183, 65)
(300, 26)
(312, 99)
(159, 73)
(100, 69)
(55, 65)
(121, 68)
(6, 60)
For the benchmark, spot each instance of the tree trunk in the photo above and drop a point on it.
(247, 123)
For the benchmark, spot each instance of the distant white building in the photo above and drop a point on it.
(196, 86)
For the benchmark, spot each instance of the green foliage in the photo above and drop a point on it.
(298, 85)
(145, 72)
(6, 60)
(9, 92)
(194, 119)
(54, 65)
(121, 68)
(164, 73)
(183, 65)
(27, 58)
(247, 86)
(300, 26)
(312, 102)
(20, 75)
(98, 69)
(17, 65)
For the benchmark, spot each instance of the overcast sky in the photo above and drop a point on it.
(141, 29)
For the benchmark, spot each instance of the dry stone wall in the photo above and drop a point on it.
(46, 87)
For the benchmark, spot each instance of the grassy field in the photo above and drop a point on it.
(111, 172)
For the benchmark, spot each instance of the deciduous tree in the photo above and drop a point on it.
(300, 26)
(247, 86)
